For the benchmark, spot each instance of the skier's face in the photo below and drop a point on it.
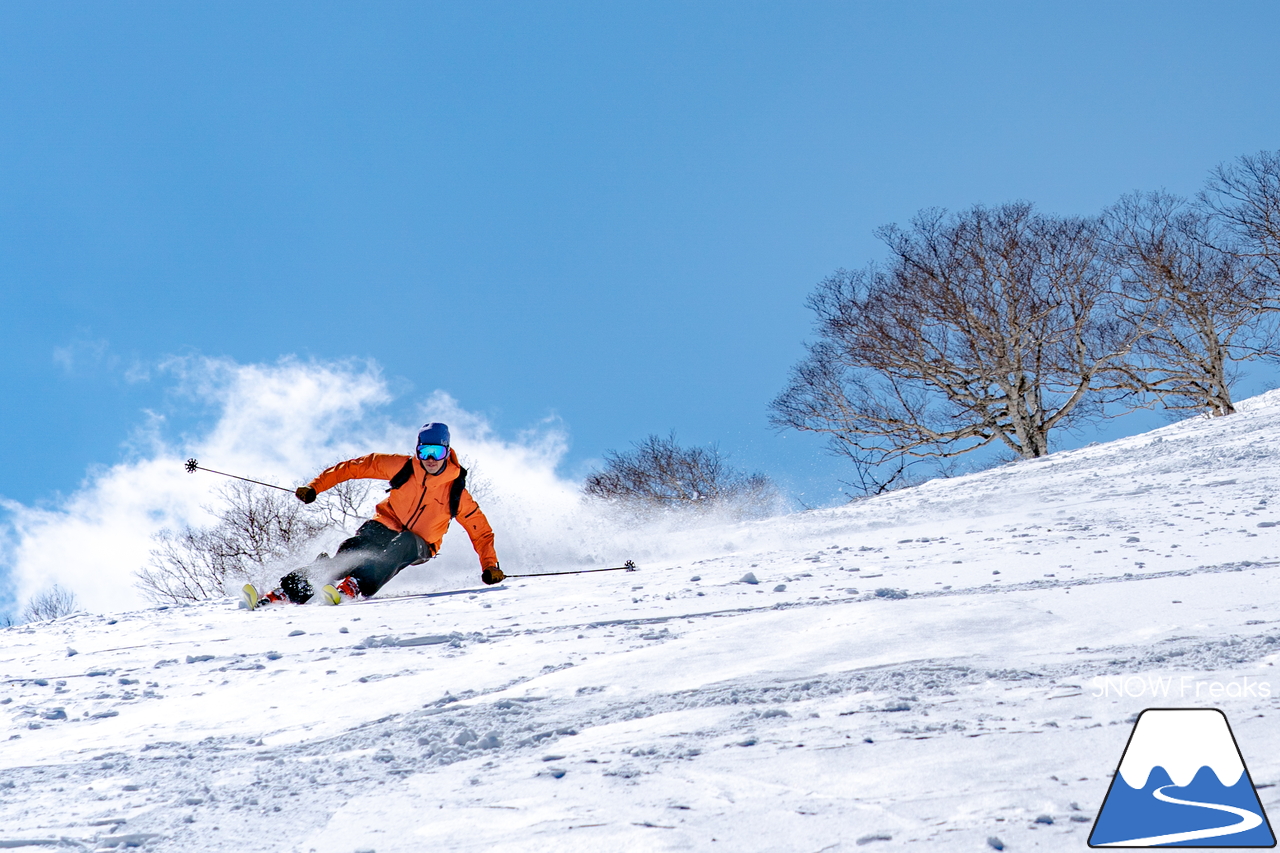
(433, 457)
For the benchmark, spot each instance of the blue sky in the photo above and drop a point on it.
(605, 213)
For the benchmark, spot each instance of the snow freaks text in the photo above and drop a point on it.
(1180, 687)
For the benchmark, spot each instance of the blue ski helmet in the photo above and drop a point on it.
(436, 437)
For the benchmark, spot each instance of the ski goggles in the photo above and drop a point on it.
(432, 452)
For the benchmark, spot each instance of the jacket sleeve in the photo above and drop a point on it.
(477, 526)
(375, 466)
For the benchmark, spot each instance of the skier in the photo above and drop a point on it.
(427, 491)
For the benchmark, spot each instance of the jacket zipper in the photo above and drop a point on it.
(422, 496)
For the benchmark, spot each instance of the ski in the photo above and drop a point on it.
(329, 595)
(385, 599)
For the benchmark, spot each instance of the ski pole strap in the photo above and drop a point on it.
(194, 466)
(628, 566)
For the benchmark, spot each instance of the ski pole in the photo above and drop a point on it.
(194, 466)
(629, 566)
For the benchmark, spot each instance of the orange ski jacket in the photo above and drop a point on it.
(420, 503)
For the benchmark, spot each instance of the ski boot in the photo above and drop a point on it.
(251, 599)
(347, 588)
(294, 588)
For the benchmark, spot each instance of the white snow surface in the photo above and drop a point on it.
(956, 666)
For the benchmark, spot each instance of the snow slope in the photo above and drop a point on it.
(952, 667)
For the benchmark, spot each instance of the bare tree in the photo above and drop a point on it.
(479, 486)
(659, 473)
(54, 603)
(1245, 196)
(347, 504)
(187, 566)
(991, 325)
(255, 527)
(1208, 303)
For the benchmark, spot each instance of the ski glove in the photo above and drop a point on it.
(306, 494)
(492, 575)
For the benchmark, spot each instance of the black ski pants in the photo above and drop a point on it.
(377, 554)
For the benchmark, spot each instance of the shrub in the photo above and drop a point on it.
(255, 527)
(53, 603)
(659, 473)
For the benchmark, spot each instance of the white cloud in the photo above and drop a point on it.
(81, 354)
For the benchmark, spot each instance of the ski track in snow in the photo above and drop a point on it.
(915, 671)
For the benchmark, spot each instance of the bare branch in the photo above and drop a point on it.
(1245, 197)
(1208, 298)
